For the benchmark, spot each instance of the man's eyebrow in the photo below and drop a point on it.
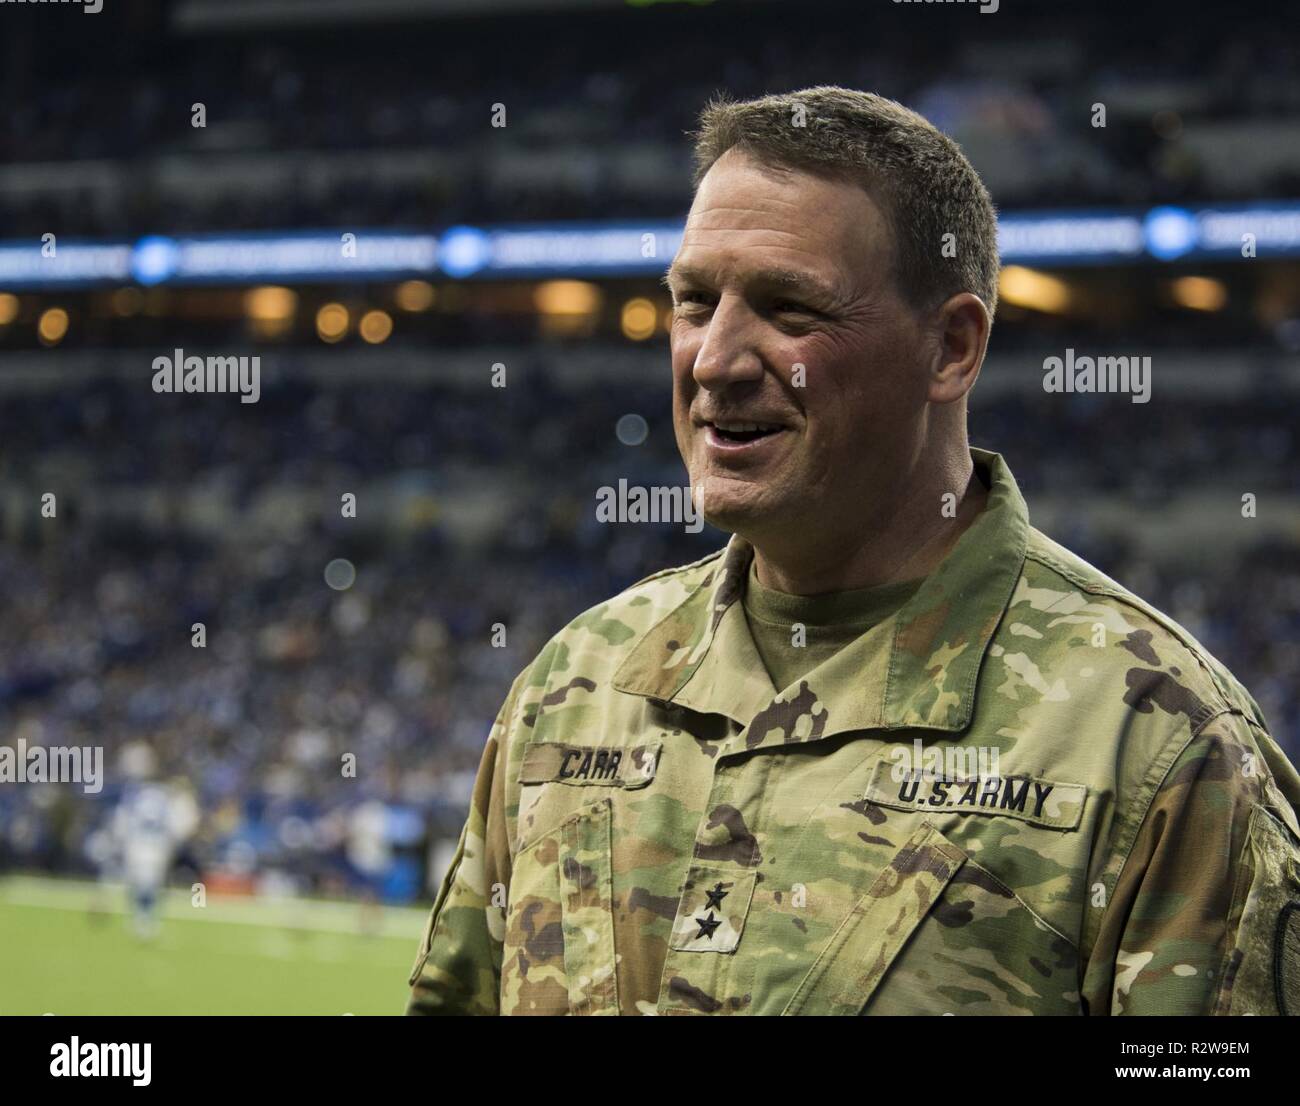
(678, 273)
(781, 278)
(794, 278)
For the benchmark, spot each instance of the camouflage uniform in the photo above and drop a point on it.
(653, 831)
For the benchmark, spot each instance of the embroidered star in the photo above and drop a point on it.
(707, 926)
(715, 898)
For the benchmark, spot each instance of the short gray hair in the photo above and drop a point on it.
(919, 176)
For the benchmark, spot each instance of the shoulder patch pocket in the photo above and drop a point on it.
(1262, 971)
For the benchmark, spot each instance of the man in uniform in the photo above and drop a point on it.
(892, 750)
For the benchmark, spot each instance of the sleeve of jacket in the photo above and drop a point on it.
(1204, 917)
(457, 968)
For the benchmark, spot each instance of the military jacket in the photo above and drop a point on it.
(1028, 792)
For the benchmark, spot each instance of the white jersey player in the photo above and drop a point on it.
(149, 825)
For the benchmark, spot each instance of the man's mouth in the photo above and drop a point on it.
(736, 432)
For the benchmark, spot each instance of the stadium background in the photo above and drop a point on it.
(476, 504)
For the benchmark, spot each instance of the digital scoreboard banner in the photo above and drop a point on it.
(617, 249)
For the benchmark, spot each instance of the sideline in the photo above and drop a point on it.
(394, 922)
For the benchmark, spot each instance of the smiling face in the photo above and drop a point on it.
(780, 269)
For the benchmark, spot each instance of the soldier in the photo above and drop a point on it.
(892, 750)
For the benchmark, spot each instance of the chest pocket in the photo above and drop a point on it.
(850, 968)
(558, 779)
(559, 945)
(937, 933)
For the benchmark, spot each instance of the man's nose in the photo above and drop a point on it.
(728, 354)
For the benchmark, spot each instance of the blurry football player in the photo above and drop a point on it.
(152, 821)
(370, 855)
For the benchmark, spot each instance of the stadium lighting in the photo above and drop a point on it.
(270, 303)
(1030, 288)
(8, 308)
(270, 309)
(376, 326)
(154, 259)
(332, 322)
(52, 326)
(567, 307)
(463, 251)
(567, 297)
(638, 319)
(1199, 293)
(577, 249)
(1170, 232)
(415, 295)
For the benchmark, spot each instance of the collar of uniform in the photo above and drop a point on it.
(916, 669)
(663, 662)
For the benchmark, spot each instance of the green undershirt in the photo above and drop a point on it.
(832, 622)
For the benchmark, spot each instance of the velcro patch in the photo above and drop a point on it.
(712, 910)
(1286, 960)
(590, 765)
(1042, 802)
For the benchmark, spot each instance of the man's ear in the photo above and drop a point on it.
(962, 325)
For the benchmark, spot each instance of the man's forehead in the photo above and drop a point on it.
(790, 229)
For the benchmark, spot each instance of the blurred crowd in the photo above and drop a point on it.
(475, 512)
(596, 112)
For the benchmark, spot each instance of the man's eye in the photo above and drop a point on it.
(787, 306)
(692, 297)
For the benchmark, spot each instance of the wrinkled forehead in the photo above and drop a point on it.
(790, 223)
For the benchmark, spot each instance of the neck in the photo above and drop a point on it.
(903, 539)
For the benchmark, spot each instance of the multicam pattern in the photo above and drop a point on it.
(761, 866)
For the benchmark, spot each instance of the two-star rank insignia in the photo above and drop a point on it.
(712, 909)
(708, 923)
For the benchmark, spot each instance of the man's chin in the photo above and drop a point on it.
(746, 514)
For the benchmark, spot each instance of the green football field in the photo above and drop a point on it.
(67, 948)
